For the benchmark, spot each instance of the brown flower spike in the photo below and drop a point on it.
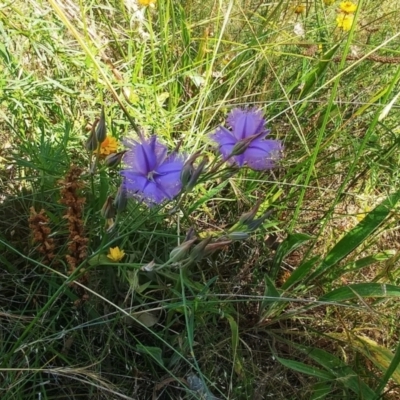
(70, 197)
(39, 225)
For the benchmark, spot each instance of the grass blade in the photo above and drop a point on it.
(357, 235)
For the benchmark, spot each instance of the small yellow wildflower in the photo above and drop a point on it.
(347, 7)
(345, 21)
(109, 146)
(329, 2)
(115, 254)
(146, 3)
(299, 9)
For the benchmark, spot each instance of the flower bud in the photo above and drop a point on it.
(198, 251)
(249, 216)
(180, 252)
(188, 169)
(121, 200)
(253, 225)
(238, 235)
(101, 129)
(213, 247)
(197, 172)
(191, 234)
(91, 143)
(108, 210)
(241, 146)
(114, 159)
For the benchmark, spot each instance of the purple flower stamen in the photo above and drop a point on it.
(150, 174)
(246, 143)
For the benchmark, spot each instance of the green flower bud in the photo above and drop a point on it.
(121, 199)
(241, 146)
(108, 210)
(213, 247)
(101, 129)
(198, 251)
(197, 172)
(180, 252)
(249, 216)
(188, 169)
(92, 143)
(238, 235)
(114, 159)
(253, 225)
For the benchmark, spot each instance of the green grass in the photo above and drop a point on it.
(306, 307)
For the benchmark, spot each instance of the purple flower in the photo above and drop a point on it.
(246, 143)
(150, 175)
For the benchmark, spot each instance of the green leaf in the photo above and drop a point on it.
(292, 242)
(381, 357)
(357, 235)
(392, 371)
(321, 390)
(300, 272)
(154, 352)
(235, 342)
(342, 372)
(270, 294)
(305, 369)
(364, 262)
(361, 290)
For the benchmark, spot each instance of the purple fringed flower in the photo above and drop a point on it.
(246, 143)
(150, 175)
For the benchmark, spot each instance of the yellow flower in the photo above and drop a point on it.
(109, 146)
(347, 7)
(345, 21)
(329, 2)
(146, 2)
(299, 9)
(115, 254)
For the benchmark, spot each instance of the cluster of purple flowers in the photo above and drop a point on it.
(153, 176)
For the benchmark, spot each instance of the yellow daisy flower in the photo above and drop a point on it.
(146, 3)
(109, 146)
(299, 9)
(347, 7)
(345, 21)
(115, 254)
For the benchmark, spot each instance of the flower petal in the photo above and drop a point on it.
(168, 176)
(143, 189)
(246, 123)
(226, 141)
(145, 156)
(134, 182)
(262, 154)
(153, 193)
(238, 160)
